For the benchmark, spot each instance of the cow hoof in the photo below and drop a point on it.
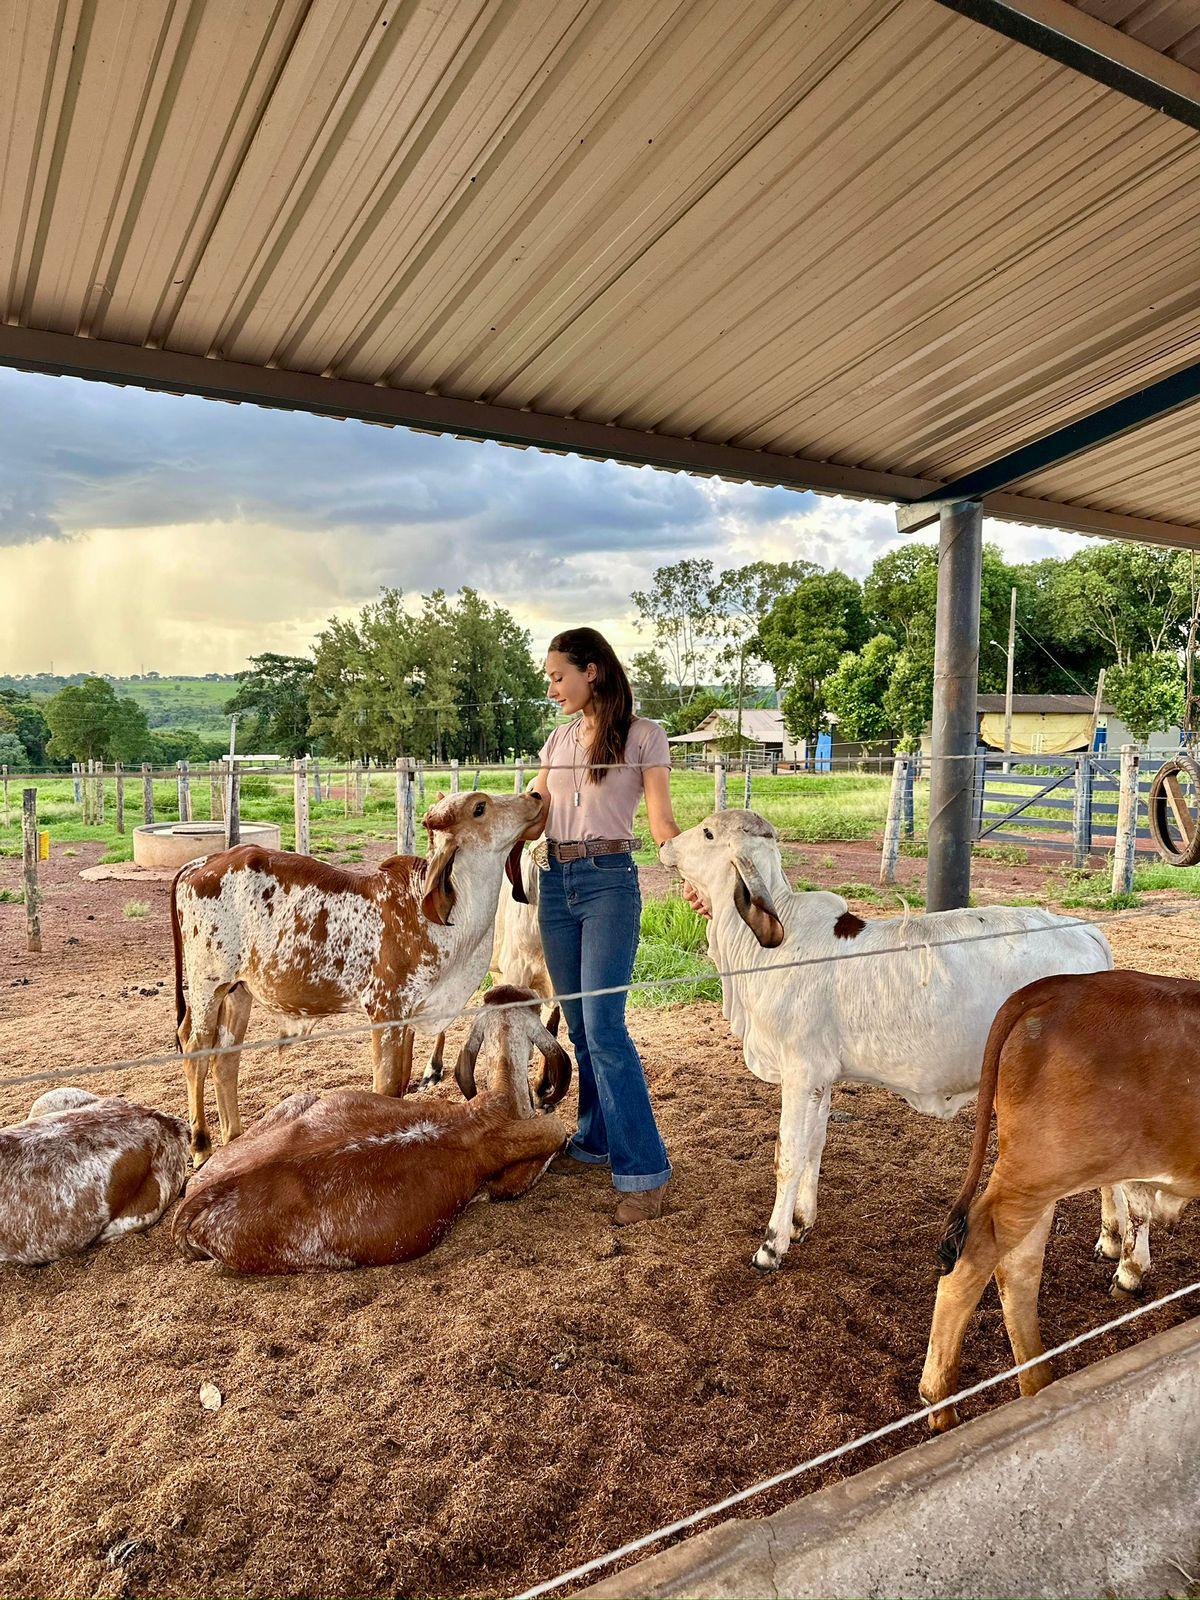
(1121, 1292)
(943, 1420)
(766, 1259)
(801, 1231)
(1107, 1249)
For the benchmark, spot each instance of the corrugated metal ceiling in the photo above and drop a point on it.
(862, 232)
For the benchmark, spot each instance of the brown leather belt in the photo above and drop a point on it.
(578, 849)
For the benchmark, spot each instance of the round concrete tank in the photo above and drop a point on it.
(171, 844)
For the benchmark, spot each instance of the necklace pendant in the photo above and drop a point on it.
(577, 801)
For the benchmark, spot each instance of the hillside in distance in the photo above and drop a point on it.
(169, 702)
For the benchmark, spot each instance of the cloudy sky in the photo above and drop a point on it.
(145, 531)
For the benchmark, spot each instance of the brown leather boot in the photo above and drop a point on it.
(641, 1205)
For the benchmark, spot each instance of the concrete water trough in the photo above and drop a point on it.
(171, 844)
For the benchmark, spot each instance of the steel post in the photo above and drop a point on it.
(955, 686)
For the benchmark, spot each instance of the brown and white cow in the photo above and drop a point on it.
(1092, 1080)
(410, 940)
(361, 1180)
(82, 1170)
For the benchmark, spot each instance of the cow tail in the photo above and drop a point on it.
(177, 947)
(955, 1235)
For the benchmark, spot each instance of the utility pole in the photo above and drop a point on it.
(1008, 688)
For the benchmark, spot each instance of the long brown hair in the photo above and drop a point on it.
(610, 691)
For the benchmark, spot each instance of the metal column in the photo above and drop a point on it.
(955, 684)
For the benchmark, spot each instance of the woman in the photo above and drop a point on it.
(595, 769)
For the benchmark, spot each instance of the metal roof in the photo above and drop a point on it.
(1045, 705)
(759, 726)
(865, 247)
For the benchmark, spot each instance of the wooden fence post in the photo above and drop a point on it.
(316, 782)
(1127, 818)
(7, 817)
(33, 920)
(216, 797)
(455, 778)
(891, 830)
(358, 789)
(184, 782)
(75, 770)
(85, 779)
(1081, 821)
(409, 846)
(719, 785)
(400, 807)
(301, 784)
(120, 772)
(147, 793)
(518, 775)
(98, 819)
(908, 823)
(233, 809)
(746, 795)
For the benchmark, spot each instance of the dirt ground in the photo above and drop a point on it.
(535, 1391)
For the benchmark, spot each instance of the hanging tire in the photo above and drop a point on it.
(1176, 840)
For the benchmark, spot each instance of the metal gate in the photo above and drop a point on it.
(1080, 792)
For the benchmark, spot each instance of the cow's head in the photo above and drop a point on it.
(476, 827)
(732, 855)
(510, 1029)
(54, 1101)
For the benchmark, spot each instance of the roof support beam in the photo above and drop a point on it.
(1065, 34)
(1110, 422)
(172, 372)
(176, 373)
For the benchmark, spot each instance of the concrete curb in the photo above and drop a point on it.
(1089, 1488)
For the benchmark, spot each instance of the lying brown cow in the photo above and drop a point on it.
(82, 1170)
(1092, 1083)
(360, 1180)
(312, 940)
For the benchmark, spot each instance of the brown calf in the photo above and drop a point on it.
(1092, 1084)
(82, 1170)
(361, 1180)
(312, 940)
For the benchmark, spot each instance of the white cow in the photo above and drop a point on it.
(914, 1021)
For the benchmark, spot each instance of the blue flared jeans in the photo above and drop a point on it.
(590, 916)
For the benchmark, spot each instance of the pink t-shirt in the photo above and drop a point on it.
(605, 810)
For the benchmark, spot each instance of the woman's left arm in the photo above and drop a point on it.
(661, 817)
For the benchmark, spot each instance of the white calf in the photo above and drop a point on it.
(915, 1021)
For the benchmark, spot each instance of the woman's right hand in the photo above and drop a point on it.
(694, 900)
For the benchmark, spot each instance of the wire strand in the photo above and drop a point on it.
(436, 1021)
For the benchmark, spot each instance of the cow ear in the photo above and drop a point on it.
(754, 905)
(441, 794)
(437, 893)
(513, 867)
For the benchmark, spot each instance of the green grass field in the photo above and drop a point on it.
(803, 808)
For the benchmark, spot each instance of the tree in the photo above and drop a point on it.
(803, 637)
(12, 752)
(855, 693)
(1135, 598)
(1147, 692)
(683, 719)
(28, 723)
(908, 698)
(90, 721)
(741, 598)
(652, 689)
(678, 611)
(271, 704)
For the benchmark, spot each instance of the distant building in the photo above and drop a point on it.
(762, 730)
(1053, 724)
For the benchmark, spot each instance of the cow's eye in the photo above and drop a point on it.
(481, 808)
(708, 833)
